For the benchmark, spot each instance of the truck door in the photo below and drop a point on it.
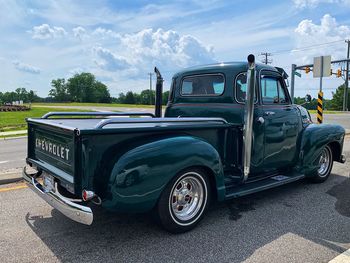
(279, 119)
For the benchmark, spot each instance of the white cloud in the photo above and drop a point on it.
(105, 33)
(109, 61)
(314, 3)
(79, 32)
(45, 31)
(26, 67)
(167, 49)
(309, 33)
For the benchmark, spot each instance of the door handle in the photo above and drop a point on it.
(269, 113)
(260, 120)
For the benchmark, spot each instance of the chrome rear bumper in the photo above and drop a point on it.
(74, 211)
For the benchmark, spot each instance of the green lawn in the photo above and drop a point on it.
(326, 112)
(15, 120)
(95, 105)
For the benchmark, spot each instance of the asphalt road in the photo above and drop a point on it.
(300, 222)
(342, 119)
(12, 154)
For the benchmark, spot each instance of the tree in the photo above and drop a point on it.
(101, 93)
(165, 97)
(81, 87)
(59, 90)
(84, 87)
(129, 98)
(121, 98)
(147, 97)
(338, 98)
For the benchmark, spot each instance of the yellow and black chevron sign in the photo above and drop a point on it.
(320, 108)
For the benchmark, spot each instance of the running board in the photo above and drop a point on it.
(257, 186)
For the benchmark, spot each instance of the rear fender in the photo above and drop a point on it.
(314, 138)
(140, 175)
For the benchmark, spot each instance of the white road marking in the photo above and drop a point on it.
(2, 162)
(342, 258)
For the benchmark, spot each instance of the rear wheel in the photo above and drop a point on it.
(184, 201)
(325, 166)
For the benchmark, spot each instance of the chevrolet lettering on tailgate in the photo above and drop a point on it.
(52, 148)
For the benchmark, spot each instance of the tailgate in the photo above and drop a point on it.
(52, 149)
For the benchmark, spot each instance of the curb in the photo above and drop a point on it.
(8, 178)
(12, 138)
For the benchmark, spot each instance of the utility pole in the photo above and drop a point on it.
(345, 101)
(266, 59)
(150, 88)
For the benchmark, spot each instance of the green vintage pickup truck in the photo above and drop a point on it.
(228, 130)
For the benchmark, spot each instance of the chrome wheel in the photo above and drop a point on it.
(188, 198)
(325, 162)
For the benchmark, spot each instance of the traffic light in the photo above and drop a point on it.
(338, 73)
(307, 70)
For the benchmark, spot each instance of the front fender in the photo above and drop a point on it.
(314, 138)
(139, 176)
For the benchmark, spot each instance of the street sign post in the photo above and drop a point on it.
(322, 68)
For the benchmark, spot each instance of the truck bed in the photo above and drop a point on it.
(72, 149)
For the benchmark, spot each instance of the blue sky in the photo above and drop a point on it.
(121, 41)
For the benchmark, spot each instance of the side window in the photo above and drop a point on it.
(272, 91)
(241, 87)
(203, 85)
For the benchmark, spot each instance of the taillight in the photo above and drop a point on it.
(87, 195)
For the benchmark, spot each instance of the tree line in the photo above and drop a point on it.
(336, 103)
(84, 87)
(20, 94)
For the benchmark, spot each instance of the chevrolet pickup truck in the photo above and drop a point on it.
(228, 130)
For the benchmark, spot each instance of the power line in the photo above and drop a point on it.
(307, 47)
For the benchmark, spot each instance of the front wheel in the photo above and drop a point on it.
(325, 166)
(184, 201)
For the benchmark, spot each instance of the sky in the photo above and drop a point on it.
(120, 42)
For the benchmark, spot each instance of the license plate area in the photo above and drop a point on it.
(48, 182)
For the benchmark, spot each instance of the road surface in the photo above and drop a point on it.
(300, 222)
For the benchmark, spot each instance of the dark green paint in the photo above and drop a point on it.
(128, 165)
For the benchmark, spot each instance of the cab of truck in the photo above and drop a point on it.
(219, 90)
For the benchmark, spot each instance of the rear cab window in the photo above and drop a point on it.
(203, 85)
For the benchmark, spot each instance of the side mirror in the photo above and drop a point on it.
(307, 98)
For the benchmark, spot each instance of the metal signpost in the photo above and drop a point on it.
(322, 68)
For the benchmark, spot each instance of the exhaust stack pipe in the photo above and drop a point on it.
(159, 94)
(248, 117)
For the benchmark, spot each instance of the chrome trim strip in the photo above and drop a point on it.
(248, 117)
(78, 213)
